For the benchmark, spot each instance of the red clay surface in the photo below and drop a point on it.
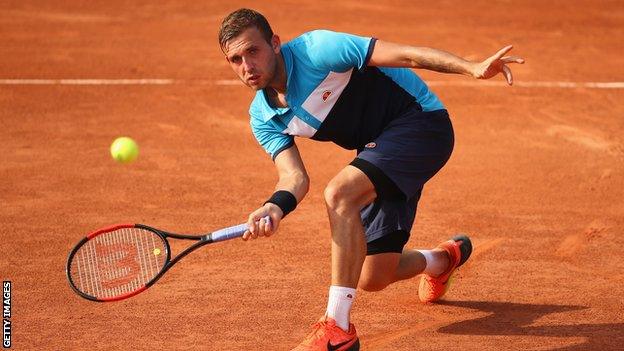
(536, 179)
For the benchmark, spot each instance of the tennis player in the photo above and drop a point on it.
(360, 93)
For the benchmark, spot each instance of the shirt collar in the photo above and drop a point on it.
(269, 112)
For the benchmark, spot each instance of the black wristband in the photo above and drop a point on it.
(285, 200)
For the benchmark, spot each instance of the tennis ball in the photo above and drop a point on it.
(124, 150)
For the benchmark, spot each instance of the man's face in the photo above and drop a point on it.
(252, 58)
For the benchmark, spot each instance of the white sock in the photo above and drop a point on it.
(433, 267)
(339, 305)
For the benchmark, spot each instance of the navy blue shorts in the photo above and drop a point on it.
(411, 149)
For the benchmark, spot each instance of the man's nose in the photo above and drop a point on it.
(248, 65)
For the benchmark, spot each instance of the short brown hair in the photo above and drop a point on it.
(238, 21)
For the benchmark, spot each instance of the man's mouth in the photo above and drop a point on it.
(253, 79)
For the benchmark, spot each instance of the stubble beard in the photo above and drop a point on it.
(271, 77)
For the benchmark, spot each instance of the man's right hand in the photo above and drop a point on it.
(258, 226)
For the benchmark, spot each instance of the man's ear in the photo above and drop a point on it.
(224, 51)
(276, 44)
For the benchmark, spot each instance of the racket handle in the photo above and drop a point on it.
(231, 232)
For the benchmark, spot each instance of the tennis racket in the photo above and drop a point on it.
(120, 261)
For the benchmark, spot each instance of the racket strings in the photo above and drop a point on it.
(117, 262)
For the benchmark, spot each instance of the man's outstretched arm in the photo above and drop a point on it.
(294, 179)
(388, 54)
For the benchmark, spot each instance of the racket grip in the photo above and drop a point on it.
(232, 232)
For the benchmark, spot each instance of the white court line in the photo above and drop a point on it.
(87, 81)
(228, 82)
(530, 84)
(235, 82)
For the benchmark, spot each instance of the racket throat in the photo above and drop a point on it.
(208, 238)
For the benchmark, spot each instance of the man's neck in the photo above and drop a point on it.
(278, 84)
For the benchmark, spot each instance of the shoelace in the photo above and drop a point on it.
(316, 328)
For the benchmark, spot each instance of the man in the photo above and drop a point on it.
(361, 94)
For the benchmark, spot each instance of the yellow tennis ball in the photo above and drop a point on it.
(156, 251)
(124, 150)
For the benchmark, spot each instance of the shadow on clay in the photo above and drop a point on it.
(507, 318)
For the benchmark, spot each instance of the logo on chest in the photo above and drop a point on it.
(326, 95)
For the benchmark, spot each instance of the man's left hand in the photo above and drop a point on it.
(496, 64)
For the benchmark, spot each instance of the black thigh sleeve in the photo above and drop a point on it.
(392, 242)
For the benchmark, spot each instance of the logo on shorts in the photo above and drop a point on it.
(326, 95)
(370, 145)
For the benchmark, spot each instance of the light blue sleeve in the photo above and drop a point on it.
(338, 52)
(268, 136)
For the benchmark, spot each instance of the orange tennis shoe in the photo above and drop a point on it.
(431, 288)
(327, 336)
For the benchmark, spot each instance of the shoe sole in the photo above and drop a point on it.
(465, 248)
(356, 346)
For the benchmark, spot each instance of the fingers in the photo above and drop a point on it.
(258, 226)
(252, 223)
(261, 227)
(497, 63)
(502, 52)
(246, 235)
(266, 226)
(512, 59)
(508, 76)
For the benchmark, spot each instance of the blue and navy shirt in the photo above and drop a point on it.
(333, 95)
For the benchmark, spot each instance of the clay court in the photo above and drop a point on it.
(536, 177)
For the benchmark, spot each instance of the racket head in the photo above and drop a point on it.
(117, 262)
